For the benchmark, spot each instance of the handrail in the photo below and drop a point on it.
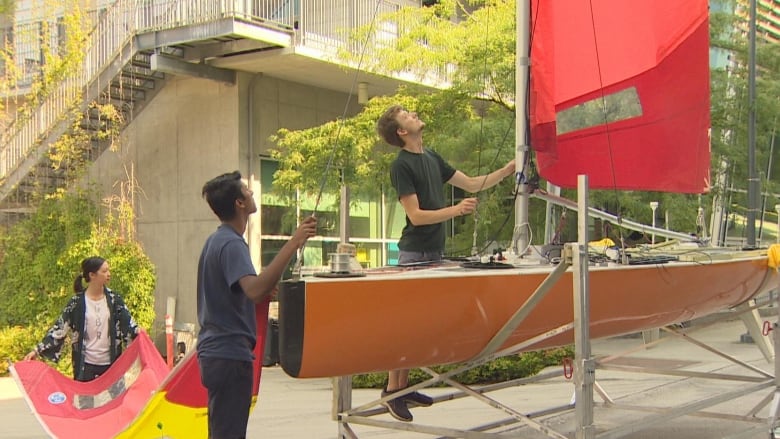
(316, 22)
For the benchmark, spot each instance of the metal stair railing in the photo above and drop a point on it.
(110, 47)
(51, 118)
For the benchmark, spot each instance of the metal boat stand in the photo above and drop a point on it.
(345, 415)
(756, 381)
(583, 372)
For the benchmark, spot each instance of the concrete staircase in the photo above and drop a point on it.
(117, 71)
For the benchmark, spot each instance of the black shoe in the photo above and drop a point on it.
(397, 408)
(417, 399)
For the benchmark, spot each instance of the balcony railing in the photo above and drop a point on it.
(319, 24)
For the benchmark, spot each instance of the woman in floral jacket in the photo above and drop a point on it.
(98, 320)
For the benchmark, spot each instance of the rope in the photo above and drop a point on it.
(296, 271)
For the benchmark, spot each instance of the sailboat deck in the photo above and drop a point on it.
(447, 314)
(446, 269)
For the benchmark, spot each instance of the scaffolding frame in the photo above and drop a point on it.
(582, 372)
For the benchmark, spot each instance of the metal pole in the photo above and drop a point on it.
(549, 221)
(768, 176)
(774, 408)
(520, 236)
(753, 182)
(653, 207)
(666, 222)
(344, 213)
(584, 372)
(777, 232)
(342, 402)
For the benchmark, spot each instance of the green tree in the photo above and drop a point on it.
(469, 118)
(41, 254)
(730, 105)
(471, 123)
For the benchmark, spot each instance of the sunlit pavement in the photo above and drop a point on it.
(301, 409)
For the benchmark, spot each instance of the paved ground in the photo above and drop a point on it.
(300, 409)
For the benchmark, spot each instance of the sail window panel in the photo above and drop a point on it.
(583, 49)
(93, 401)
(612, 108)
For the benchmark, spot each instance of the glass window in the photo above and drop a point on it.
(317, 253)
(277, 217)
(396, 218)
(365, 219)
(271, 248)
(392, 253)
(327, 222)
(279, 220)
(369, 254)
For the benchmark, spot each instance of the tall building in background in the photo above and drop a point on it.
(767, 24)
(767, 18)
(720, 58)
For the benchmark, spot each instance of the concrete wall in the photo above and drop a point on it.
(185, 136)
(193, 130)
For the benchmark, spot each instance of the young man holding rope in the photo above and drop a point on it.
(418, 175)
(228, 289)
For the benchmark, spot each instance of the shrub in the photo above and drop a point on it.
(41, 256)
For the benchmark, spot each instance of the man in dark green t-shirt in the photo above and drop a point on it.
(418, 176)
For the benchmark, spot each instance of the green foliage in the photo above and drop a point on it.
(730, 106)
(60, 58)
(41, 256)
(343, 149)
(15, 342)
(499, 370)
(476, 52)
(351, 152)
(7, 7)
(31, 275)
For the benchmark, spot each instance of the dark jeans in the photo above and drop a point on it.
(92, 371)
(229, 385)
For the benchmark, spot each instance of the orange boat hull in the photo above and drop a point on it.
(407, 319)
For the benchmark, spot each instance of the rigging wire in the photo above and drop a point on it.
(603, 99)
(481, 133)
(358, 69)
(525, 163)
(346, 106)
(520, 168)
(508, 216)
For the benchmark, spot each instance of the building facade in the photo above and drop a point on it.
(204, 85)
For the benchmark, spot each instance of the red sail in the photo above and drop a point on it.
(647, 63)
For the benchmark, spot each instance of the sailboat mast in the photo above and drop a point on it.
(522, 47)
(753, 182)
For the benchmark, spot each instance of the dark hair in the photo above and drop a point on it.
(222, 192)
(387, 126)
(89, 265)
